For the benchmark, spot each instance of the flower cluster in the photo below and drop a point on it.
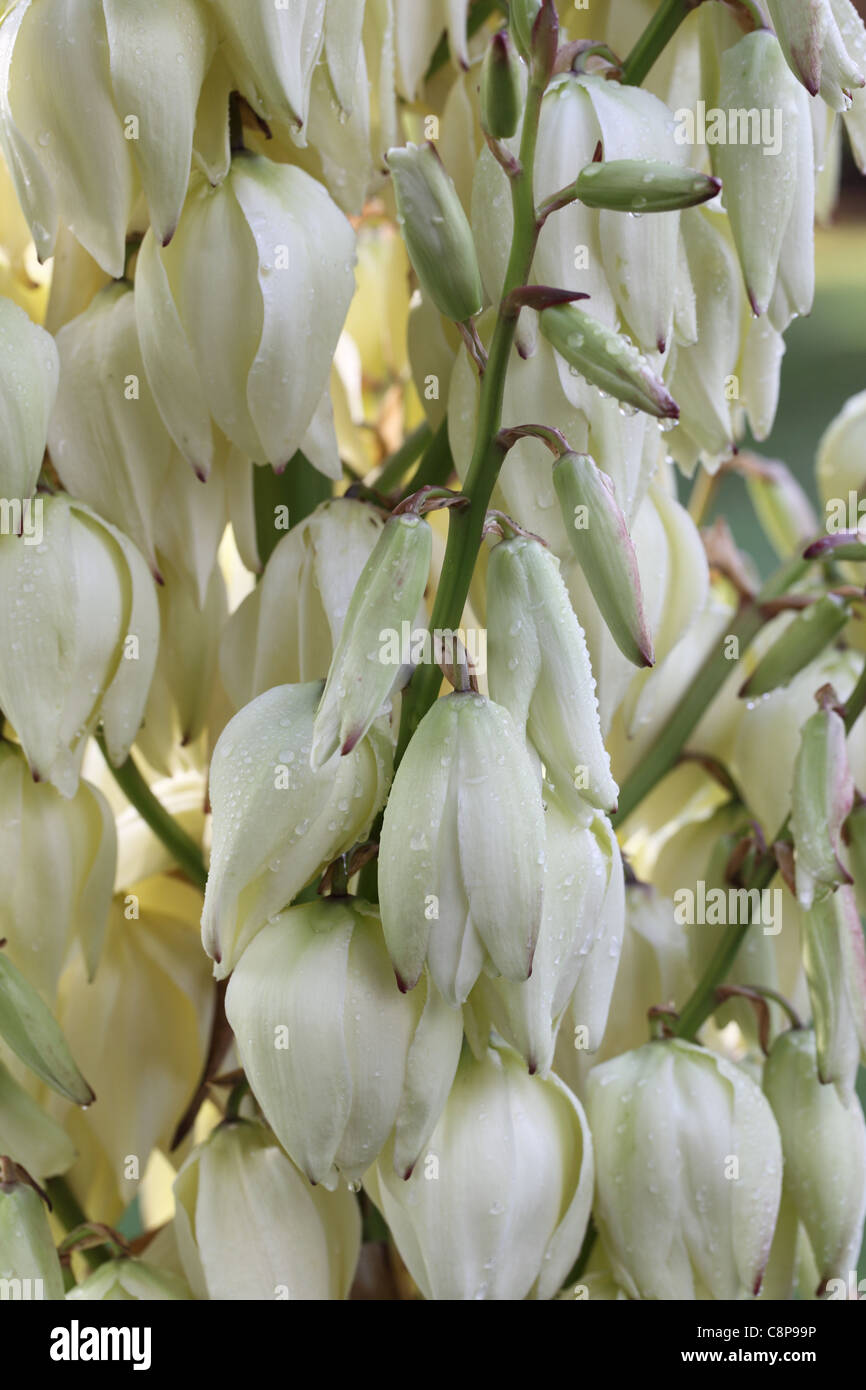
(324, 323)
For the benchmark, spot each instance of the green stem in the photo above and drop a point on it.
(663, 754)
(466, 525)
(403, 458)
(70, 1213)
(655, 37)
(182, 847)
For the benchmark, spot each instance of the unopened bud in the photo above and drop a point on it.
(27, 1250)
(436, 231)
(607, 360)
(361, 677)
(599, 537)
(501, 87)
(822, 796)
(30, 1029)
(539, 668)
(834, 957)
(643, 185)
(804, 639)
(824, 1150)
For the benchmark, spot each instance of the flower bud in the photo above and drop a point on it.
(361, 675)
(501, 87)
(599, 537)
(42, 914)
(461, 857)
(576, 958)
(267, 643)
(27, 1250)
(28, 385)
(824, 1150)
(282, 253)
(33, 1034)
(760, 181)
(835, 959)
(839, 470)
(499, 1208)
(436, 231)
(335, 1055)
(817, 47)
(643, 185)
(822, 796)
(539, 669)
(803, 641)
(781, 504)
(130, 1280)
(111, 449)
(117, 66)
(607, 360)
(250, 1227)
(278, 822)
(81, 603)
(689, 1173)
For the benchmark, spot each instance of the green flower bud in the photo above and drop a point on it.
(607, 360)
(277, 822)
(499, 1208)
(282, 253)
(267, 642)
(81, 603)
(461, 857)
(28, 386)
(361, 676)
(643, 185)
(128, 1281)
(782, 506)
(27, 1250)
(436, 231)
(689, 1173)
(835, 959)
(33, 1034)
(539, 669)
(599, 537)
(335, 1054)
(760, 180)
(250, 1227)
(117, 64)
(576, 958)
(803, 640)
(522, 15)
(822, 796)
(824, 1150)
(501, 87)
